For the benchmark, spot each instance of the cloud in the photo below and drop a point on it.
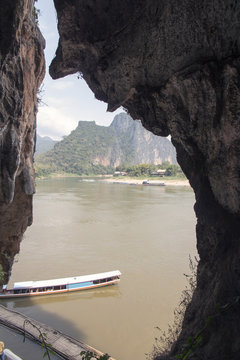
(55, 123)
(61, 84)
(54, 101)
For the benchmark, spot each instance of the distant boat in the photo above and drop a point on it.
(59, 286)
(152, 183)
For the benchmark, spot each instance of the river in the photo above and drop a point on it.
(85, 227)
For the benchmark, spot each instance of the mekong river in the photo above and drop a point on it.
(82, 227)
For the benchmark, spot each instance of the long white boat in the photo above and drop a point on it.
(58, 286)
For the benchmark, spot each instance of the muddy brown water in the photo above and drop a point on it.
(84, 227)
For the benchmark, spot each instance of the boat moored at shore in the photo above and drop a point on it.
(153, 183)
(58, 286)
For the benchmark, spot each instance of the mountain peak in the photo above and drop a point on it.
(122, 122)
(86, 123)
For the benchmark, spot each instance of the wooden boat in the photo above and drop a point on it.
(58, 286)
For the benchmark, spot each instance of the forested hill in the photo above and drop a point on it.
(44, 143)
(94, 149)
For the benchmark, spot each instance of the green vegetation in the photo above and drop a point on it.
(81, 153)
(43, 170)
(141, 171)
(2, 274)
(48, 349)
(146, 170)
(137, 170)
(41, 338)
(166, 339)
(194, 342)
(36, 14)
(165, 342)
(89, 355)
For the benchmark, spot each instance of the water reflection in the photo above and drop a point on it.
(67, 298)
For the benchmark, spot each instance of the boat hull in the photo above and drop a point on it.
(63, 291)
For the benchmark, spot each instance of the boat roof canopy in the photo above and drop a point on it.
(65, 281)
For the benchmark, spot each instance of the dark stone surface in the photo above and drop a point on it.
(22, 69)
(175, 65)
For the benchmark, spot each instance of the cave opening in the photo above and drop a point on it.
(176, 68)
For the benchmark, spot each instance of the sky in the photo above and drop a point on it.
(67, 100)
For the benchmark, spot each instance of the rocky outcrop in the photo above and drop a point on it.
(175, 65)
(135, 145)
(22, 68)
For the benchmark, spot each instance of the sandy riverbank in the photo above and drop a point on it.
(130, 181)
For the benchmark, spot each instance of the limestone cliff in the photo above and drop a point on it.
(175, 65)
(22, 68)
(136, 145)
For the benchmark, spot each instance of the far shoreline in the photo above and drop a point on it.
(134, 181)
(122, 180)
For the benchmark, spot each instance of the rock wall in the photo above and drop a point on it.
(22, 69)
(175, 65)
(136, 145)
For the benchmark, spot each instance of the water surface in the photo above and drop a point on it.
(85, 227)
